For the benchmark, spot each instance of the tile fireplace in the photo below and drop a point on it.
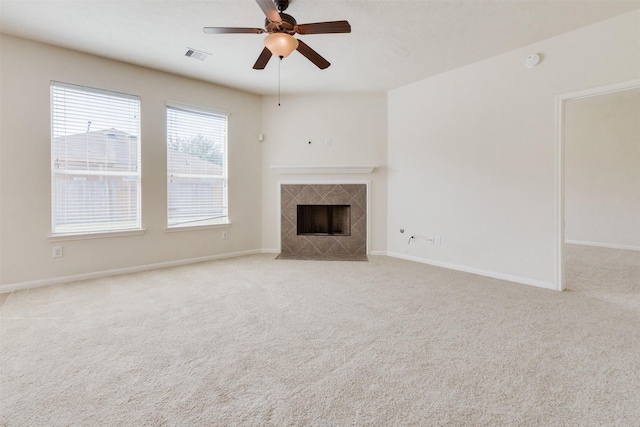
(323, 221)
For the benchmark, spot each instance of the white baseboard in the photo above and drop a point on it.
(85, 276)
(492, 274)
(603, 245)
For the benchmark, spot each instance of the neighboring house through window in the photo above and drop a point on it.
(95, 160)
(196, 167)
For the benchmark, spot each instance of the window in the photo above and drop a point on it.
(196, 167)
(95, 160)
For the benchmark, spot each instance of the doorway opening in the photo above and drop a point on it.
(562, 102)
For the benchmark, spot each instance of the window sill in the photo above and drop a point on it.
(87, 236)
(195, 227)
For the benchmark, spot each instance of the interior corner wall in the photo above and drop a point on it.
(356, 125)
(27, 69)
(602, 170)
(472, 152)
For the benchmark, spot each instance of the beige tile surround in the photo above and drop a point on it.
(292, 195)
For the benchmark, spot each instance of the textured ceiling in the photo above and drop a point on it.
(393, 42)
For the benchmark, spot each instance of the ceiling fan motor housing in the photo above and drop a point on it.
(287, 25)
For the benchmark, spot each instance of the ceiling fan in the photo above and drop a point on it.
(280, 29)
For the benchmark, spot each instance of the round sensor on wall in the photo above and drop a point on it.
(532, 60)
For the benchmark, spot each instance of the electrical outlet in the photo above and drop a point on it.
(327, 142)
(225, 235)
(438, 241)
(57, 251)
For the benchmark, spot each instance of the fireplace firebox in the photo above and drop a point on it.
(324, 220)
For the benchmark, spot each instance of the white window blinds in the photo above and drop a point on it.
(197, 167)
(95, 160)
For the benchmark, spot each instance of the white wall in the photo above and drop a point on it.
(357, 127)
(467, 155)
(472, 152)
(26, 71)
(602, 169)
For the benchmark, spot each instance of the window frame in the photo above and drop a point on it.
(215, 113)
(61, 121)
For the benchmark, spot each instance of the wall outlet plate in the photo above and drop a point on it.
(57, 252)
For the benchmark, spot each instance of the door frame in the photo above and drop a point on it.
(560, 166)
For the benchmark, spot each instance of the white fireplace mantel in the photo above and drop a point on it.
(322, 169)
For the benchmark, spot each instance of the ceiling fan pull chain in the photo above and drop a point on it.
(279, 62)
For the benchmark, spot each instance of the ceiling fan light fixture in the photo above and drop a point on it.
(281, 44)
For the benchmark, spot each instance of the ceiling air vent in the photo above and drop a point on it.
(196, 54)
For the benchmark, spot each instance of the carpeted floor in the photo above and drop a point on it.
(254, 341)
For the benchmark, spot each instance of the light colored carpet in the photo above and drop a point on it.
(254, 341)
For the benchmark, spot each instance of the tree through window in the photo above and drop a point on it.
(196, 167)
